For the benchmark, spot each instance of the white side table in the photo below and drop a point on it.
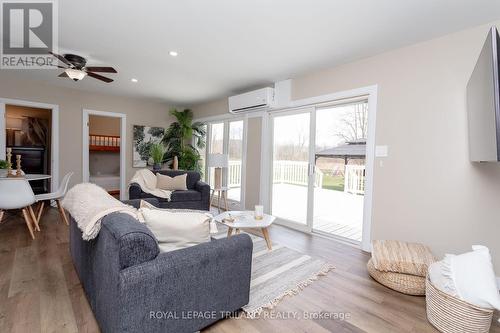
(246, 220)
(221, 194)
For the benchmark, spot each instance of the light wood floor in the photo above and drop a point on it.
(40, 291)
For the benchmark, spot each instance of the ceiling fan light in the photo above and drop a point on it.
(75, 74)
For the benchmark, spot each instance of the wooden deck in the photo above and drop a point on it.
(335, 212)
(342, 230)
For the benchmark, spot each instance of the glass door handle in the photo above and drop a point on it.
(311, 169)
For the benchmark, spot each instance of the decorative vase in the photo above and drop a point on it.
(157, 167)
(176, 163)
(3, 173)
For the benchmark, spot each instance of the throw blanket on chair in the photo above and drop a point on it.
(147, 181)
(88, 204)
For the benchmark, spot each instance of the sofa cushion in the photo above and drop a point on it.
(136, 203)
(192, 176)
(176, 230)
(188, 195)
(164, 182)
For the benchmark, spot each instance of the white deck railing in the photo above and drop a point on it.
(234, 174)
(285, 172)
(354, 181)
(296, 173)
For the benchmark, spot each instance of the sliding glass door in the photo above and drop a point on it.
(235, 154)
(318, 168)
(290, 171)
(339, 164)
(228, 137)
(215, 145)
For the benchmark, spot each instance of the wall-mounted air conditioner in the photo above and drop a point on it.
(252, 101)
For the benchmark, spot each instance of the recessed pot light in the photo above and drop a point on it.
(134, 80)
(173, 53)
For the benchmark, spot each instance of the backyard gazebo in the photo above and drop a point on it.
(350, 150)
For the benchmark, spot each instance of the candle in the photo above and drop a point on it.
(259, 212)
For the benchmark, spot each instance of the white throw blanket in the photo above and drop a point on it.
(88, 204)
(147, 181)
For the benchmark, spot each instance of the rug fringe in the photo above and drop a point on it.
(290, 292)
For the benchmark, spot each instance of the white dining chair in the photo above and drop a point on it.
(56, 196)
(16, 193)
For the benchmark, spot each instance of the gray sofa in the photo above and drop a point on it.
(197, 195)
(131, 287)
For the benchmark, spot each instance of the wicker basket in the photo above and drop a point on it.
(451, 315)
(404, 283)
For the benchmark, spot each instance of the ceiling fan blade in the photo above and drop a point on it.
(61, 59)
(101, 69)
(63, 74)
(99, 77)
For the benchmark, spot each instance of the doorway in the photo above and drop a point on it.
(339, 166)
(318, 175)
(31, 129)
(104, 151)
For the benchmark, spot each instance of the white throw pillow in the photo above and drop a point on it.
(164, 182)
(440, 280)
(176, 230)
(469, 276)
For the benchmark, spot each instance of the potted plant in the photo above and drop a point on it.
(183, 138)
(157, 151)
(3, 168)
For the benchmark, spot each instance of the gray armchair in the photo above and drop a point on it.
(197, 195)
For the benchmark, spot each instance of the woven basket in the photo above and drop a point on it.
(404, 283)
(451, 315)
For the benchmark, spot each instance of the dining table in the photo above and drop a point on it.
(36, 176)
(29, 177)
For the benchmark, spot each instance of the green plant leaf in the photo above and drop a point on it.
(178, 137)
(157, 151)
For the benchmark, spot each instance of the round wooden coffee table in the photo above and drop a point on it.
(246, 220)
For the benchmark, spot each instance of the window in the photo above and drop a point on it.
(227, 137)
(203, 161)
(235, 154)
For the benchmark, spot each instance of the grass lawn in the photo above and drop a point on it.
(333, 182)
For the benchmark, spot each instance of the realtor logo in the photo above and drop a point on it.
(29, 33)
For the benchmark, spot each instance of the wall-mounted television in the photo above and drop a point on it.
(483, 103)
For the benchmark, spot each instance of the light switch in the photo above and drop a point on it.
(381, 151)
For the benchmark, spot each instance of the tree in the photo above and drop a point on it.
(354, 123)
(183, 138)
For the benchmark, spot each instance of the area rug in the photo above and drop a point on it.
(278, 273)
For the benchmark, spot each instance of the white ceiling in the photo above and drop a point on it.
(227, 46)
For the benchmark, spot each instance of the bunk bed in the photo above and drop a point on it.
(105, 143)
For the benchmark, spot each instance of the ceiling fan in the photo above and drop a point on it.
(77, 68)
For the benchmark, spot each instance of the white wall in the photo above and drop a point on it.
(427, 190)
(71, 103)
